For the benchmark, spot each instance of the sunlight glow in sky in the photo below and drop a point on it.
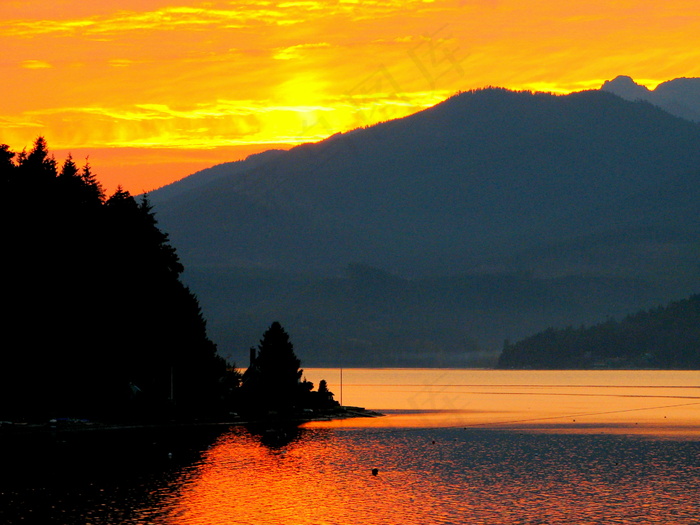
(153, 90)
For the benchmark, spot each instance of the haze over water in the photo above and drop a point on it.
(456, 446)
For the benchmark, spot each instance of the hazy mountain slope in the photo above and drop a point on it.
(680, 96)
(665, 337)
(375, 319)
(482, 174)
(490, 216)
(205, 176)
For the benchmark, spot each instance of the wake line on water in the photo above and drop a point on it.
(579, 414)
(447, 392)
(462, 385)
(501, 424)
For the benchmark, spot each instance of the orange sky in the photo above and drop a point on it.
(153, 90)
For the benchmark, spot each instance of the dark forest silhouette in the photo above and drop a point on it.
(97, 321)
(664, 337)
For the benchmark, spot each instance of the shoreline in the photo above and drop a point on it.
(76, 425)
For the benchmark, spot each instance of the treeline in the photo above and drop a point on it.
(666, 337)
(96, 322)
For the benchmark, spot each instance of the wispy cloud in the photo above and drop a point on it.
(222, 122)
(205, 16)
(297, 51)
(212, 73)
(120, 62)
(36, 64)
(164, 19)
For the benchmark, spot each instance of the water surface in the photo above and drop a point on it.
(660, 402)
(457, 447)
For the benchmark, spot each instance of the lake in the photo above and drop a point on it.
(455, 447)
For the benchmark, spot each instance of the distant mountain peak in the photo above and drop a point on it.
(626, 88)
(679, 97)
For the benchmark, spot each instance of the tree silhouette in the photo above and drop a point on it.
(97, 322)
(273, 380)
(274, 383)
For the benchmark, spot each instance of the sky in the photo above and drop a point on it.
(151, 91)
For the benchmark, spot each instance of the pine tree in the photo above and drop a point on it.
(273, 381)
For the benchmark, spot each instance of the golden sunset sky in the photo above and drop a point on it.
(153, 90)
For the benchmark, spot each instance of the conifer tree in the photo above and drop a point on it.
(273, 381)
(95, 311)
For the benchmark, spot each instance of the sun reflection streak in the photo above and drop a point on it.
(432, 476)
(313, 479)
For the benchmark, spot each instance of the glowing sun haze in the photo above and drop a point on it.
(154, 90)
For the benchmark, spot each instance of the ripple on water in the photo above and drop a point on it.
(434, 476)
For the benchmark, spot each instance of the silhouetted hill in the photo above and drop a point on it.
(680, 97)
(205, 176)
(665, 337)
(488, 216)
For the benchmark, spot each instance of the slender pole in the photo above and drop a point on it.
(341, 386)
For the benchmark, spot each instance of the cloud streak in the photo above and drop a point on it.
(218, 123)
(210, 74)
(201, 16)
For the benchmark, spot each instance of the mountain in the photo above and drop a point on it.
(428, 240)
(665, 337)
(680, 97)
(205, 176)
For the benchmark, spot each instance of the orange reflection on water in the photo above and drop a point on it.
(426, 476)
(446, 452)
(242, 480)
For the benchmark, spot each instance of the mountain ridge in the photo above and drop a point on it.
(306, 197)
(679, 97)
(490, 182)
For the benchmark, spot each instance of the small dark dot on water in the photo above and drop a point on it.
(375, 471)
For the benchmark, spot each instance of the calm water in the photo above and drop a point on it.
(456, 447)
(661, 403)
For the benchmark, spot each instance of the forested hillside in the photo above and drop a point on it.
(490, 216)
(665, 337)
(96, 322)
